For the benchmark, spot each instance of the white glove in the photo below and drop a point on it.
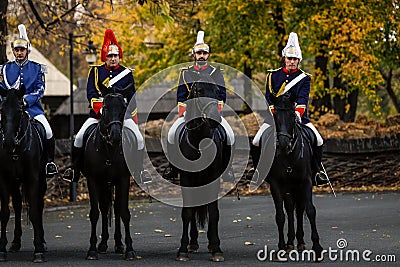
(298, 115)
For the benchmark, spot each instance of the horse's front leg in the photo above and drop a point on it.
(212, 233)
(194, 235)
(94, 218)
(35, 200)
(311, 214)
(4, 217)
(279, 213)
(187, 215)
(300, 207)
(105, 205)
(121, 207)
(17, 205)
(289, 207)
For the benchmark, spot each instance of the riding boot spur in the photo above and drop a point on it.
(73, 172)
(255, 152)
(321, 177)
(51, 167)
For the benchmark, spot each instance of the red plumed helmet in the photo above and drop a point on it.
(110, 45)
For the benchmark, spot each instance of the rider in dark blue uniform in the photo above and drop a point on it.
(111, 75)
(201, 53)
(290, 80)
(20, 72)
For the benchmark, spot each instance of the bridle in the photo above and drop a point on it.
(292, 137)
(107, 135)
(202, 108)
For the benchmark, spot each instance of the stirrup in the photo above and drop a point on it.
(145, 177)
(169, 174)
(321, 178)
(51, 169)
(69, 175)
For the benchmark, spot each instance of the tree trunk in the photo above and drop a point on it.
(248, 96)
(322, 104)
(3, 31)
(345, 107)
(390, 91)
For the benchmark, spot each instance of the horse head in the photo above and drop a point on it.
(113, 113)
(285, 121)
(202, 104)
(11, 117)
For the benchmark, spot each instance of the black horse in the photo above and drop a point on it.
(290, 176)
(105, 169)
(23, 164)
(202, 131)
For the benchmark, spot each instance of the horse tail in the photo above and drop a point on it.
(201, 215)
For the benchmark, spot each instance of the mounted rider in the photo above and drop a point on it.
(23, 71)
(201, 53)
(290, 79)
(113, 76)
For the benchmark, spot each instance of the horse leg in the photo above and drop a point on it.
(212, 233)
(119, 247)
(300, 207)
(289, 207)
(17, 205)
(94, 218)
(36, 204)
(279, 213)
(311, 214)
(121, 204)
(187, 214)
(4, 217)
(194, 235)
(104, 204)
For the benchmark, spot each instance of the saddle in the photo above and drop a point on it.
(309, 135)
(88, 132)
(38, 126)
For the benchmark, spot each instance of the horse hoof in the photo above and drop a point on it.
(39, 257)
(182, 256)
(301, 247)
(289, 248)
(318, 252)
(119, 249)
(130, 255)
(3, 256)
(15, 247)
(102, 248)
(92, 255)
(193, 248)
(217, 257)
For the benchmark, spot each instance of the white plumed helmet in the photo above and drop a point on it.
(22, 40)
(292, 48)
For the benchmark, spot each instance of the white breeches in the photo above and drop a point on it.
(46, 125)
(129, 123)
(181, 120)
(256, 140)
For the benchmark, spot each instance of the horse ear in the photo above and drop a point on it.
(21, 91)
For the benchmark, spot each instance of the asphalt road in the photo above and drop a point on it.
(367, 221)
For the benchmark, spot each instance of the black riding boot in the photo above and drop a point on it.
(51, 167)
(171, 173)
(321, 177)
(229, 175)
(73, 172)
(139, 173)
(255, 153)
